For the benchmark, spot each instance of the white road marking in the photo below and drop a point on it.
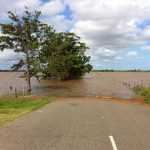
(113, 143)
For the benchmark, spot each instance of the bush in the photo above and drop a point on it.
(63, 57)
(137, 89)
(143, 92)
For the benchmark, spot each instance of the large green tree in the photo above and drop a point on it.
(23, 34)
(63, 56)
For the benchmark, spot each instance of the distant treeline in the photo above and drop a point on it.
(112, 70)
(103, 70)
(11, 70)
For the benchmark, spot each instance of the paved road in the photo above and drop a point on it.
(80, 124)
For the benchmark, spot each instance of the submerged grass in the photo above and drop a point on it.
(12, 108)
(143, 92)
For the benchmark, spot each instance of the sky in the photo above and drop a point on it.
(117, 31)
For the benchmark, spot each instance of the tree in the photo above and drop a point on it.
(63, 56)
(23, 34)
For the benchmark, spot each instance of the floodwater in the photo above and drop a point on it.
(114, 84)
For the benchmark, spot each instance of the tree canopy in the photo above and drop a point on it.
(63, 57)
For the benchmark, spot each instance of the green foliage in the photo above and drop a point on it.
(143, 91)
(137, 89)
(63, 56)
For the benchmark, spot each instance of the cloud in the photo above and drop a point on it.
(146, 33)
(119, 58)
(111, 25)
(146, 48)
(8, 58)
(9, 55)
(106, 53)
(132, 54)
(52, 11)
(59, 22)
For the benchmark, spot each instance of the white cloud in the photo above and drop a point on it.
(119, 58)
(132, 54)
(146, 33)
(8, 58)
(110, 24)
(9, 55)
(51, 11)
(6, 54)
(107, 60)
(59, 22)
(146, 48)
(106, 52)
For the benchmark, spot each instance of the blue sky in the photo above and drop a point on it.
(117, 31)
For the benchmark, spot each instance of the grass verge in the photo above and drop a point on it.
(12, 108)
(143, 92)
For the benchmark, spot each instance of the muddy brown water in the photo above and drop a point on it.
(112, 84)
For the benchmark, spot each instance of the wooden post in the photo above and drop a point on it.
(10, 90)
(16, 95)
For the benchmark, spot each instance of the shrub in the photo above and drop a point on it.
(143, 91)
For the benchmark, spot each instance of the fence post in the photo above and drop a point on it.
(16, 95)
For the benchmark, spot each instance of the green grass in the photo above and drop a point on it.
(12, 108)
(143, 92)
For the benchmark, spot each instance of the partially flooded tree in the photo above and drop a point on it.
(23, 35)
(63, 56)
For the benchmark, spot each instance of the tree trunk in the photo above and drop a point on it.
(28, 73)
(28, 83)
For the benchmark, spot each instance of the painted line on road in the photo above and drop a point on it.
(113, 143)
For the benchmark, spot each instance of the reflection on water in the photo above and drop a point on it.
(93, 84)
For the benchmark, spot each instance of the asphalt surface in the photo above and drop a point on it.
(80, 124)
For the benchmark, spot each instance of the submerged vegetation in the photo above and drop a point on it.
(44, 52)
(12, 108)
(142, 92)
(63, 56)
